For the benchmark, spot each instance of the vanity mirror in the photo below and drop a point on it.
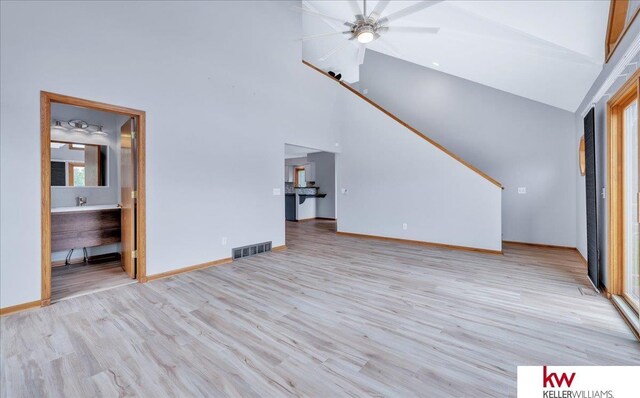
(78, 165)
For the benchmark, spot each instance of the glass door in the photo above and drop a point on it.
(630, 278)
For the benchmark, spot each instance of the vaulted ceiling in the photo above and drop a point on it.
(548, 51)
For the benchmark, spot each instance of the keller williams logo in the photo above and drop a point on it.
(548, 379)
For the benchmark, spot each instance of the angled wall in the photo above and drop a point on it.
(394, 182)
(520, 142)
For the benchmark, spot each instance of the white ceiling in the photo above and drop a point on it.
(295, 151)
(548, 51)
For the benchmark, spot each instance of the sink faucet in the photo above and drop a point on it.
(82, 200)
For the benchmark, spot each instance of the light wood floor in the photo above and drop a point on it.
(78, 279)
(331, 316)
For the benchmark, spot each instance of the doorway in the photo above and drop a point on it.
(97, 195)
(624, 194)
(310, 184)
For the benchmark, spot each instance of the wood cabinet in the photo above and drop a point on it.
(87, 228)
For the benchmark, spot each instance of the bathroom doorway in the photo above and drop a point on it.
(93, 196)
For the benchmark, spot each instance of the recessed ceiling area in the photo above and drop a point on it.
(547, 51)
(295, 151)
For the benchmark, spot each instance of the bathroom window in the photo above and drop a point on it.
(76, 147)
(76, 174)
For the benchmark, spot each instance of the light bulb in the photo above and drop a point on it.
(365, 37)
(100, 131)
(58, 126)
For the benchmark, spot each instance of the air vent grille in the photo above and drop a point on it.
(250, 250)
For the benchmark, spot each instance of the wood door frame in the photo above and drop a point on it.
(46, 99)
(616, 203)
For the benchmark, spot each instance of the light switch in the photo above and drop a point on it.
(522, 190)
(276, 191)
(344, 191)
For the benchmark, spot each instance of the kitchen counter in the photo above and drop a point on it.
(300, 202)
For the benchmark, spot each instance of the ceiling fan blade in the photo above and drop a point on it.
(407, 11)
(531, 45)
(321, 35)
(379, 9)
(409, 29)
(333, 51)
(524, 39)
(388, 46)
(361, 50)
(355, 9)
(321, 15)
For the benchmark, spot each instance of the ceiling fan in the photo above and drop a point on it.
(365, 28)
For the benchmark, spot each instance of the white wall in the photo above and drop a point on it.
(392, 177)
(519, 142)
(325, 177)
(217, 119)
(306, 210)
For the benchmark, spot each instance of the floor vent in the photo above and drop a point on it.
(587, 291)
(251, 250)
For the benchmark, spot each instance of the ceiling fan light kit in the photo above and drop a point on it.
(365, 32)
(367, 28)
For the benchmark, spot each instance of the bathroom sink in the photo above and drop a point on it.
(82, 208)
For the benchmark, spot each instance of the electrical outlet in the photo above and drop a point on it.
(522, 190)
(224, 241)
(404, 226)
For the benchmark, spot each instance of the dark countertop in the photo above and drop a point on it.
(307, 195)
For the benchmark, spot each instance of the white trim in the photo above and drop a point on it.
(615, 74)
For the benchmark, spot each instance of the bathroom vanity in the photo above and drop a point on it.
(84, 226)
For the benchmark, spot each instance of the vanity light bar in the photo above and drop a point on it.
(79, 126)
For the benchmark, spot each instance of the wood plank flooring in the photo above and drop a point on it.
(79, 279)
(332, 316)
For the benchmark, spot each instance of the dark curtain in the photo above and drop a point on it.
(593, 252)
